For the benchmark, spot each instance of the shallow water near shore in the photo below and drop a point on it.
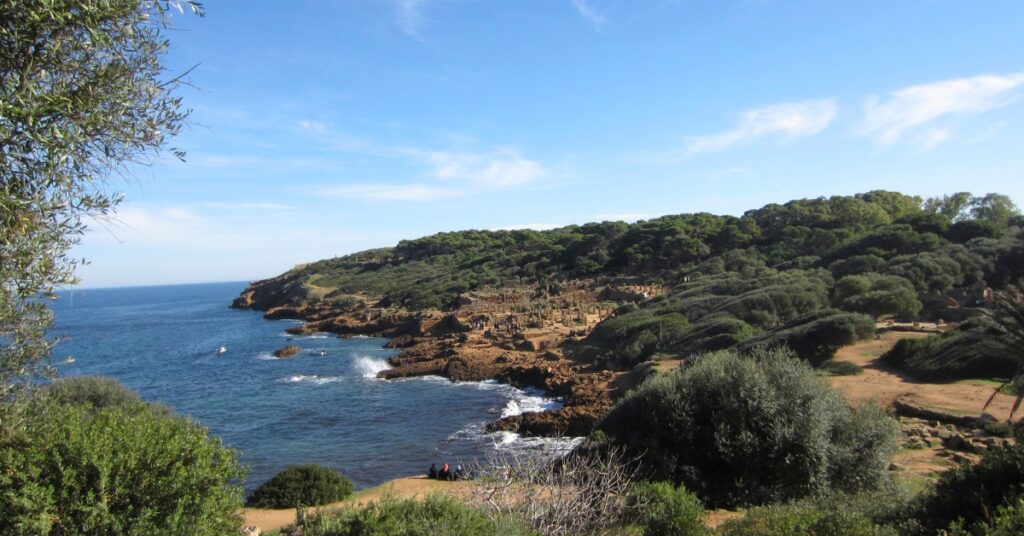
(324, 405)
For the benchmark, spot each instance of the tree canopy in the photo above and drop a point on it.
(83, 98)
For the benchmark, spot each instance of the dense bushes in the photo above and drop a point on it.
(971, 351)
(839, 368)
(122, 470)
(877, 295)
(973, 493)
(301, 485)
(91, 391)
(816, 337)
(667, 510)
(435, 515)
(851, 234)
(740, 430)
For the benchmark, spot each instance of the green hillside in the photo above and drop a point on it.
(811, 273)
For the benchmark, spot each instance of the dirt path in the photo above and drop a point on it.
(404, 488)
(885, 385)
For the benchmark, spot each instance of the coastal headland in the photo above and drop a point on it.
(524, 336)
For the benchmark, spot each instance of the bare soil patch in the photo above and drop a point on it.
(884, 385)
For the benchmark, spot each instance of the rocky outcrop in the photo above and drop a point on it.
(565, 422)
(481, 339)
(948, 438)
(287, 351)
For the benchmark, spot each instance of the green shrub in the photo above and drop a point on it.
(740, 430)
(434, 516)
(667, 510)
(93, 391)
(114, 471)
(1009, 520)
(815, 337)
(801, 519)
(839, 368)
(971, 351)
(999, 429)
(973, 493)
(301, 485)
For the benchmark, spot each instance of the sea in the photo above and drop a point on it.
(323, 406)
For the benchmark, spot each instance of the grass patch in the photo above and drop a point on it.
(839, 368)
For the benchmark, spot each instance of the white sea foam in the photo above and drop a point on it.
(546, 446)
(368, 367)
(266, 356)
(529, 401)
(502, 439)
(311, 378)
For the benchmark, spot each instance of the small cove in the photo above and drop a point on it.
(322, 406)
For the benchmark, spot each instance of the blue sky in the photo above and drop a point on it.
(320, 128)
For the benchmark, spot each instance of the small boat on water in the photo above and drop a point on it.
(68, 360)
(222, 349)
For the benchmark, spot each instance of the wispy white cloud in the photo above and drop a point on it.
(912, 112)
(497, 169)
(626, 216)
(393, 192)
(410, 16)
(449, 174)
(247, 206)
(787, 120)
(597, 20)
(313, 126)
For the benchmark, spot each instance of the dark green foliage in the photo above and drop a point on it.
(839, 368)
(668, 510)
(857, 264)
(973, 493)
(999, 429)
(301, 485)
(963, 231)
(877, 295)
(781, 274)
(741, 430)
(122, 470)
(802, 519)
(815, 337)
(926, 222)
(973, 350)
(437, 515)
(1009, 520)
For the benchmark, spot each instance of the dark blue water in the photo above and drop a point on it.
(327, 409)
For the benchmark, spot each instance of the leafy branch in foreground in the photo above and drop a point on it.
(83, 98)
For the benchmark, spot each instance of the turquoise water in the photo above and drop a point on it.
(323, 406)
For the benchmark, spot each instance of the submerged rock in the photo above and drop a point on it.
(287, 351)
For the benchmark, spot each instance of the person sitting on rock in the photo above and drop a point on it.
(432, 473)
(445, 473)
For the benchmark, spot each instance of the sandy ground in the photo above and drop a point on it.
(884, 385)
(411, 487)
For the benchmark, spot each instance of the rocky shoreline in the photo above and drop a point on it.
(513, 336)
